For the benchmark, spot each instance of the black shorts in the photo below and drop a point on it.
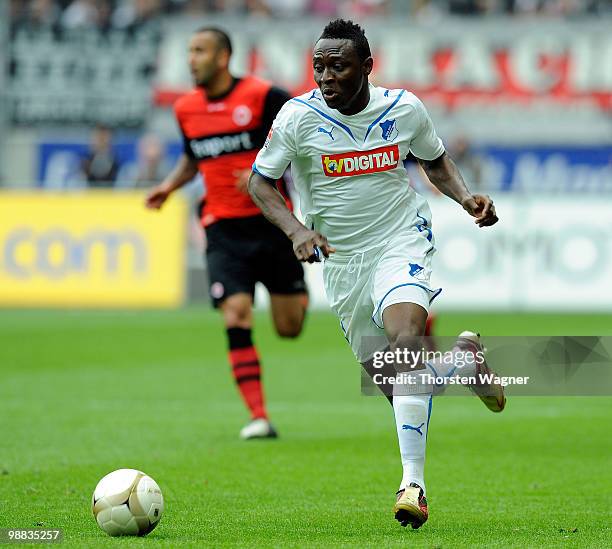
(243, 251)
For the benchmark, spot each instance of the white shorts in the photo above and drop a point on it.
(360, 287)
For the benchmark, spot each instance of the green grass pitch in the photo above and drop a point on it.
(84, 393)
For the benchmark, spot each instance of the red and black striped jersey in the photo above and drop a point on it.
(224, 134)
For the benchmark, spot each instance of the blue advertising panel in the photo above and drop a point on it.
(60, 163)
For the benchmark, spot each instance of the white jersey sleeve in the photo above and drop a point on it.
(280, 147)
(426, 144)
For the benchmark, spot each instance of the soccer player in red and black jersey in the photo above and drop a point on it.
(224, 122)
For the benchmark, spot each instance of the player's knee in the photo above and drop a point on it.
(236, 315)
(289, 330)
(409, 337)
(290, 327)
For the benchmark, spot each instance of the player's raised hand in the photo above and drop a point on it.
(309, 245)
(481, 207)
(156, 197)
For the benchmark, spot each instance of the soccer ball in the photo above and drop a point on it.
(127, 502)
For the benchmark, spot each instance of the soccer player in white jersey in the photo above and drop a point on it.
(345, 142)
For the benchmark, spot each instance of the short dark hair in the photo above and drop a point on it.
(342, 29)
(223, 38)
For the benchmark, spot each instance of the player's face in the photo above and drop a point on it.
(206, 58)
(340, 74)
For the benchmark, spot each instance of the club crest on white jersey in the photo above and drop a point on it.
(389, 130)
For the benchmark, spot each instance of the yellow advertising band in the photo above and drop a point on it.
(91, 249)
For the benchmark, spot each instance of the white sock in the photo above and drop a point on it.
(412, 419)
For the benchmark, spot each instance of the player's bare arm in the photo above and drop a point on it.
(242, 180)
(444, 175)
(274, 208)
(184, 171)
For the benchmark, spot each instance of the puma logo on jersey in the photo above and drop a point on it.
(360, 162)
(330, 132)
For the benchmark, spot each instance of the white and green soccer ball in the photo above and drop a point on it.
(127, 502)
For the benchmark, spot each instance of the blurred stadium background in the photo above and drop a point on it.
(520, 91)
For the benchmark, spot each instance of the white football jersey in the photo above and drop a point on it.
(348, 170)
